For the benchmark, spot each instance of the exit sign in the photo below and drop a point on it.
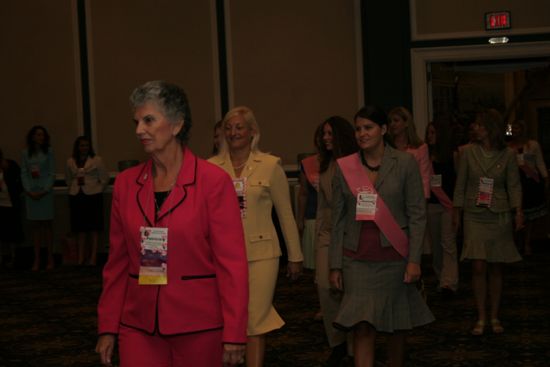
(497, 20)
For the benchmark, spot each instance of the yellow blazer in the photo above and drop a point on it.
(266, 186)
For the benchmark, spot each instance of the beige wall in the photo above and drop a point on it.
(135, 41)
(295, 63)
(39, 74)
(445, 19)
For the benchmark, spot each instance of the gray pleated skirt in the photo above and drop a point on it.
(374, 292)
(489, 236)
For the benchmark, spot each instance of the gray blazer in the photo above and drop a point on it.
(502, 167)
(399, 185)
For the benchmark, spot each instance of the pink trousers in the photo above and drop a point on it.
(137, 349)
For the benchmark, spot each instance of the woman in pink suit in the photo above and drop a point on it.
(175, 286)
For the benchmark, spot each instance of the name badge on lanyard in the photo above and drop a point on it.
(366, 206)
(485, 192)
(35, 171)
(154, 256)
(240, 188)
(436, 180)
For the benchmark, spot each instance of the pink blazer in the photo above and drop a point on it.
(207, 267)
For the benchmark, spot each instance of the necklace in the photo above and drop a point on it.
(370, 168)
(239, 166)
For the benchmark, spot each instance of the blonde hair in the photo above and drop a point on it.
(412, 136)
(250, 120)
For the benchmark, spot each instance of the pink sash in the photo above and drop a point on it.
(311, 168)
(440, 194)
(357, 180)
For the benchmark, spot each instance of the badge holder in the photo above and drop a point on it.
(485, 192)
(154, 254)
(240, 188)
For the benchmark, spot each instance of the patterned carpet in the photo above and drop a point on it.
(48, 319)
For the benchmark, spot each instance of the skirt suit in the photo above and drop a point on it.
(374, 291)
(488, 231)
(266, 186)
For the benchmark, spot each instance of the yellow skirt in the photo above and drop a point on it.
(262, 279)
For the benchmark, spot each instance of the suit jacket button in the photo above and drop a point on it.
(261, 237)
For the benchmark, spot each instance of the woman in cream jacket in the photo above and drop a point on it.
(260, 183)
(86, 179)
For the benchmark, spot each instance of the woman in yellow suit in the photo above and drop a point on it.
(260, 183)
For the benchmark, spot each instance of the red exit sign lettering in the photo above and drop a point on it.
(497, 20)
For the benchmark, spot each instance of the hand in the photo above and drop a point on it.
(32, 195)
(233, 354)
(36, 195)
(520, 220)
(336, 280)
(105, 347)
(412, 273)
(293, 270)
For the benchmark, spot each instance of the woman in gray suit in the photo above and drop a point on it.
(379, 220)
(488, 191)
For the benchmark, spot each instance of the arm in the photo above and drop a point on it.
(69, 177)
(115, 272)
(339, 209)
(50, 175)
(513, 188)
(459, 195)
(115, 277)
(25, 174)
(425, 165)
(541, 166)
(302, 200)
(225, 232)
(323, 222)
(280, 196)
(415, 208)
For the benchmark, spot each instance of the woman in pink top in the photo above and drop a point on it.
(403, 135)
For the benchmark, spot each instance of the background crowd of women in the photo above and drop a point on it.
(475, 184)
(33, 181)
(373, 199)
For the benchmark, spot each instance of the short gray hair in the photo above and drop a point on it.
(171, 99)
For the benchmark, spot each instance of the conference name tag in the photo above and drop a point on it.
(485, 192)
(35, 171)
(366, 206)
(240, 188)
(154, 256)
(436, 180)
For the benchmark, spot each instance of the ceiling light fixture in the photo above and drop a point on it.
(498, 40)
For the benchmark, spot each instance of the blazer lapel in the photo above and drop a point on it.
(186, 177)
(145, 197)
(251, 165)
(388, 162)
